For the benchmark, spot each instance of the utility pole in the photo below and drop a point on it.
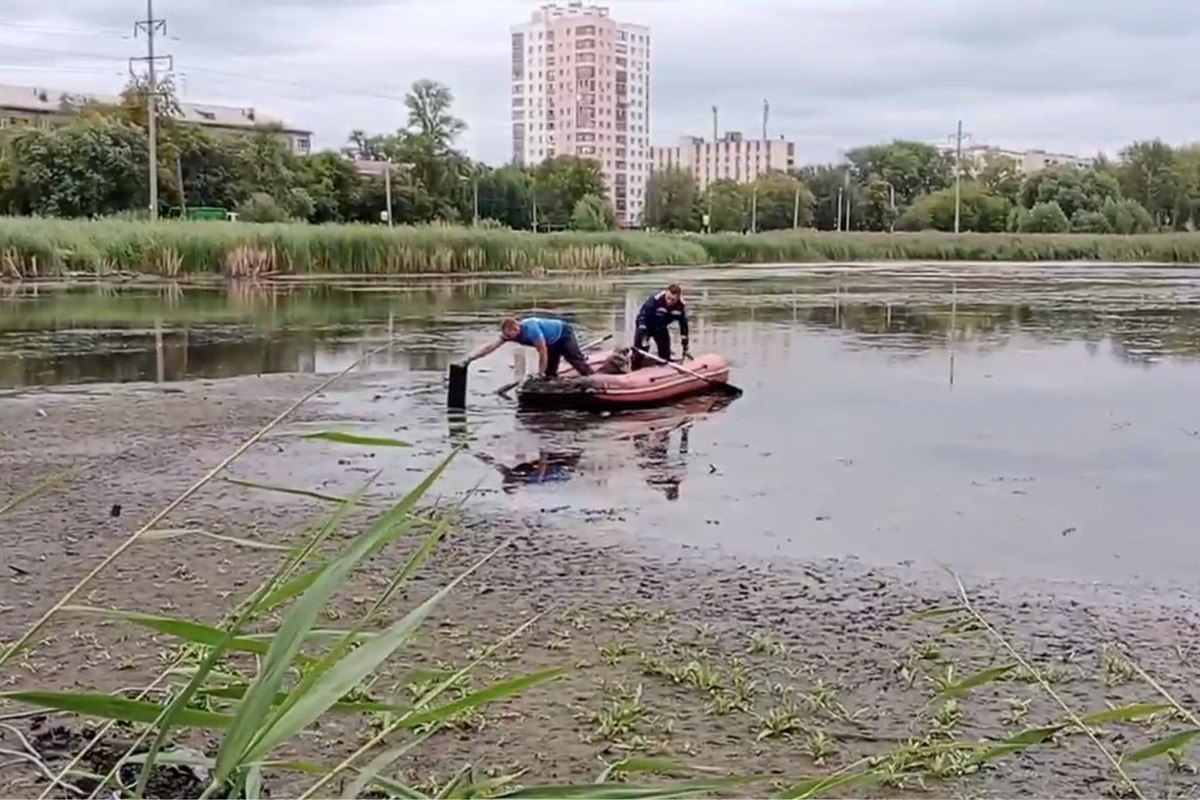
(796, 210)
(766, 116)
(151, 27)
(958, 138)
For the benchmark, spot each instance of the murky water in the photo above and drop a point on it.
(1026, 421)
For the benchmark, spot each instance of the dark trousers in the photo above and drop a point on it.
(662, 343)
(566, 348)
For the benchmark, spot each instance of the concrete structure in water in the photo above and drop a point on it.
(32, 105)
(730, 158)
(581, 87)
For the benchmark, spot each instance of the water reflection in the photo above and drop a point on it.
(55, 336)
(550, 466)
(556, 448)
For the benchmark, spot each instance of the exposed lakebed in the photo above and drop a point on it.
(1035, 425)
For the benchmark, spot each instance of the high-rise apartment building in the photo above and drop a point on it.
(730, 158)
(581, 87)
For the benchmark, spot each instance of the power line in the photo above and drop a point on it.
(61, 30)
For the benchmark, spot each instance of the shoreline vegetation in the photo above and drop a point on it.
(32, 249)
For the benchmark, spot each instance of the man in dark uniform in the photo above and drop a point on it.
(653, 321)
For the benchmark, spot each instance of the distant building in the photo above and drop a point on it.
(1027, 161)
(730, 158)
(581, 87)
(24, 105)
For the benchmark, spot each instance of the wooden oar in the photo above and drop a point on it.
(508, 387)
(725, 387)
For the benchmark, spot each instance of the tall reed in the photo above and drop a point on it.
(45, 248)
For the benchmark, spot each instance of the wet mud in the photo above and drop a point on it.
(770, 666)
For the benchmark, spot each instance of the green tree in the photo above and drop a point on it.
(559, 183)
(593, 213)
(506, 195)
(1042, 218)
(85, 168)
(671, 200)
(730, 206)
(1001, 176)
(1127, 217)
(980, 211)
(880, 210)
(332, 184)
(1076, 190)
(913, 168)
(1148, 175)
(262, 207)
(777, 197)
(826, 184)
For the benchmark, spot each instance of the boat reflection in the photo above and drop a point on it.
(573, 445)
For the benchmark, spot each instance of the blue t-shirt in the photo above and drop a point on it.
(534, 329)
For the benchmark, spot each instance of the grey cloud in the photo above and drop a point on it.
(837, 72)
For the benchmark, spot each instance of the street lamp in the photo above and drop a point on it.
(387, 187)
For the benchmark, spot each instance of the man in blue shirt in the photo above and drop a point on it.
(653, 321)
(554, 340)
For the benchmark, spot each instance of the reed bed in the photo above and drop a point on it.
(47, 248)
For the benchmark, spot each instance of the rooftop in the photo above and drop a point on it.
(45, 100)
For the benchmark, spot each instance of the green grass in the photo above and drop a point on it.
(49, 248)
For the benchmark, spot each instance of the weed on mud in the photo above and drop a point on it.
(394, 703)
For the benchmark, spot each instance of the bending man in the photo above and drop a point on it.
(653, 321)
(554, 340)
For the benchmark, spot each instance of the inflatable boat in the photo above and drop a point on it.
(652, 385)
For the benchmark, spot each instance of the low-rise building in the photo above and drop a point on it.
(730, 158)
(24, 105)
(1027, 161)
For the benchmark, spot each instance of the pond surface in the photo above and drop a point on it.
(1015, 420)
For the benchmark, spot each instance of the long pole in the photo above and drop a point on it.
(754, 209)
(475, 202)
(796, 210)
(839, 210)
(151, 27)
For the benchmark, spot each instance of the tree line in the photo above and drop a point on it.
(910, 186)
(94, 163)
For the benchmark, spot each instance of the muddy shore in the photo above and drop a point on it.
(780, 669)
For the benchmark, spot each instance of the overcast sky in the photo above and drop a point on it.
(1075, 76)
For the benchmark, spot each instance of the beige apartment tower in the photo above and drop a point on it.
(729, 158)
(581, 87)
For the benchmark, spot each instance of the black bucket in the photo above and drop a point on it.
(456, 387)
